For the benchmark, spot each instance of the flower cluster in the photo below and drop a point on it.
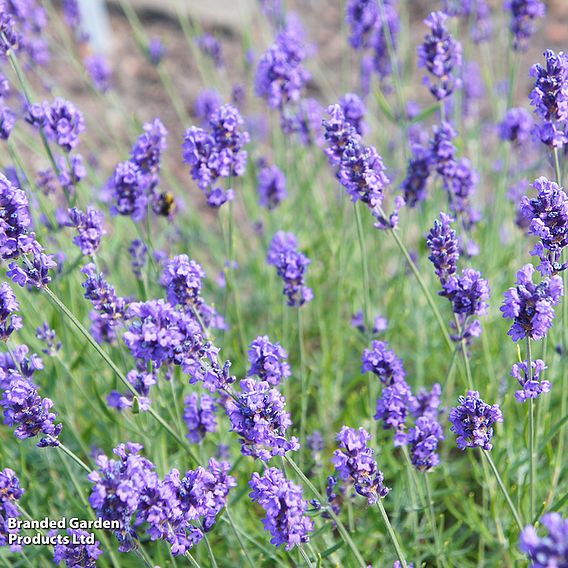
(141, 382)
(200, 416)
(394, 406)
(48, 336)
(89, 225)
(61, 121)
(530, 305)
(138, 252)
(523, 15)
(532, 386)
(291, 266)
(414, 185)
(76, 554)
(549, 98)
(271, 186)
(206, 103)
(423, 439)
(9, 305)
(103, 296)
(440, 54)
(476, 13)
(217, 153)
(268, 361)
(100, 72)
(285, 507)
(10, 492)
(259, 418)
(517, 126)
(354, 462)
(444, 248)
(212, 48)
(550, 550)
(472, 421)
(548, 216)
(30, 414)
(384, 363)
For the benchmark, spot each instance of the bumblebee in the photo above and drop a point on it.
(165, 204)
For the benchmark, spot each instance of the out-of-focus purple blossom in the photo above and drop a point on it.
(549, 98)
(128, 187)
(315, 442)
(354, 111)
(238, 95)
(532, 387)
(15, 220)
(10, 493)
(548, 214)
(304, 121)
(63, 123)
(354, 462)
(362, 17)
(472, 421)
(89, 227)
(517, 126)
(72, 172)
(415, 183)
(48, 336)
(476, 13)
(380, 323)
(200, 416)
(259, 418)
(31, 415)
(139, 255)
(548, 551)
(442, 149)
(100, 72)
(423, 439)
(523, 16)
(205, 104)
(217, 153)
(394, 406)
(383, 362)
(281, 76)
(212, 48)
(440, 54)
(102, 328)
(7, 122)
(268, 361)
(10, 38)
(291, 266)
(72, 14)
(142, 382)
(285, 507)
(76, 554)
(9, 305)
(156, 51)
(147, 150)
(271, 186)
(428, 403)
(531, 306)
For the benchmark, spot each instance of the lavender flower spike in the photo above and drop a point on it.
(550, 551)
(530, 388)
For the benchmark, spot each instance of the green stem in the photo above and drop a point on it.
(364, 268)
(75, 457)
(305, 556)
(432, 513)
(210, 551)
(532, 456)
(340, 526)
(303, 380)
(516, 515)
(238, 536)
(463, 349)
(392, 534)
(192, 560)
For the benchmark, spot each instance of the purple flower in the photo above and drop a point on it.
(139, 254)
(285, 507)
(217, 153)
(305, 122)
(199, 415)
(128, 187)
(362, 17)
(99, 70)
(31, 415)
(362, 173)
(291, 266)
(517, 126)
(354, 111)
(338, 133)
(48, 336)
(415, 183)
(440, 54)
(531, 305)
(147, 151)
(424, 438)
(532, 387)
(10, 38)
(354, 462)
(35, 271)
(18, 362)
(523, 15)
(15, 220)
(212, 48)
(548, 217)
(10, 492)
(207, 102)
(428, 403)
(63, 123)
(76, 554)
(259, 418)
(281, 76)
(393, 407)
(550, 98)
(102, 295)
(383, 362)
(72, 13)
(182, 278)
(444, 248)
(90, 229)
(469, 293)
(549, 551)
(156, 51)
(71, 174)
(118, 486)
(268, 361)
(7, 122)
(142, 382)
(102, 328)
(271, 186)
(9, 305)
(472, 421)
